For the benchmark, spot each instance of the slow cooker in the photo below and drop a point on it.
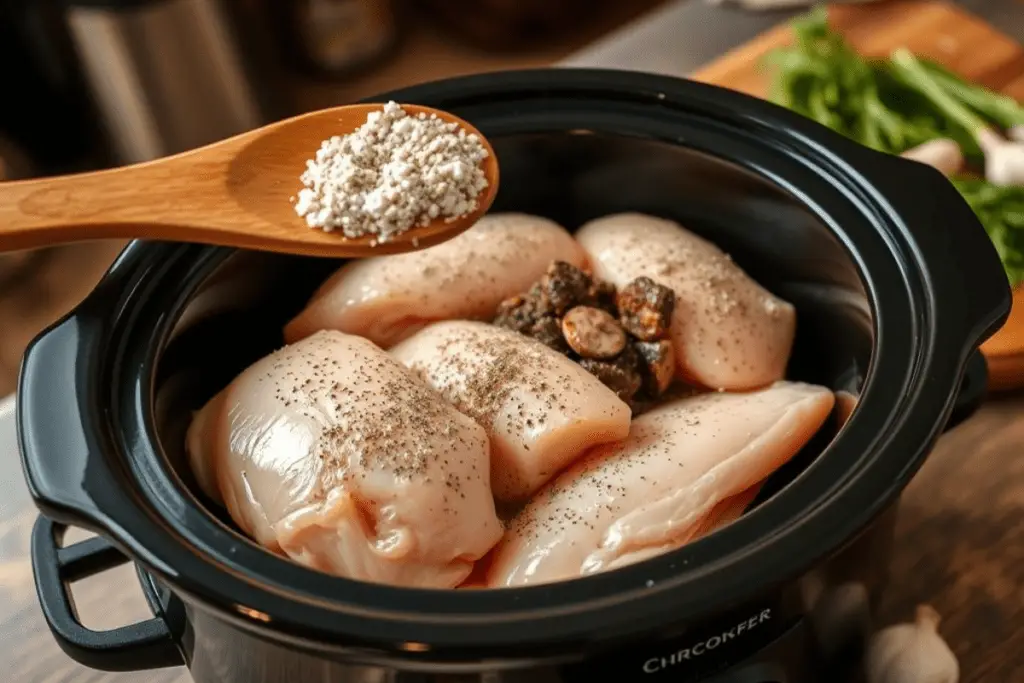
(895, 283)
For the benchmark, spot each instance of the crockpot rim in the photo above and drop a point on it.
(139, 263)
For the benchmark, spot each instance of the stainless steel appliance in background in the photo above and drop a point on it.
(164, 75)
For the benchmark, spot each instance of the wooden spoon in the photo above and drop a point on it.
(238, 192)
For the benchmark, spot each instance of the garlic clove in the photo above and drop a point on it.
(911, 653)
(1005, 166)
(942, 154)
(1004, 159)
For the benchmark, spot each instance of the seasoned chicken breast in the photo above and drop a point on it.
(332, 453)
(728, 331)
(386, 299)
(661, 487)
(540, 409)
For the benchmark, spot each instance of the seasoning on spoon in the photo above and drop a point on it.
(395, 172)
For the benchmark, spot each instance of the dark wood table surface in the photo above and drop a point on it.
(960, 544)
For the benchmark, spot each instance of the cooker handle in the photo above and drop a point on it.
(967, 277)
(67, 449)
(136, 647)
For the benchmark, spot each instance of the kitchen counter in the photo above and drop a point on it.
(960, 541)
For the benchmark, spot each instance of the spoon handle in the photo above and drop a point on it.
(240, 192)
(179, 197)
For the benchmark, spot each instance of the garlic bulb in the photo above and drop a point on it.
(911, 653)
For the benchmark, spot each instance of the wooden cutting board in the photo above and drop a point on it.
(929, 28)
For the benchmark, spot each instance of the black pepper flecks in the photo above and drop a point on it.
(614, 480)
(464, 277)
(674, 455)
(376, 416)
(562, 287)
(512, 385)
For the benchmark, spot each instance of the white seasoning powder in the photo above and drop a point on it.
(395, 172)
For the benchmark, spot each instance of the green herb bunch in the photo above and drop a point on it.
(885, 105)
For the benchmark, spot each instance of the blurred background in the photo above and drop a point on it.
(90, 84)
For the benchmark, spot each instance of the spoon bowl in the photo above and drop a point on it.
(238, 192)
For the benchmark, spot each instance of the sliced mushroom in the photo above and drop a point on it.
(593, 333)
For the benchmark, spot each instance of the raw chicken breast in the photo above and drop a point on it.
(728, 331)
(540, 409)
(333, 454)
(660, 488)
(386, 299)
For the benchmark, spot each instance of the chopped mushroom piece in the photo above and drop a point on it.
(516, 313)
(645, 309)
(563, 287)
(548, 331)
(580, 317)
(603, 295)
(622, 380)
(659, 365)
